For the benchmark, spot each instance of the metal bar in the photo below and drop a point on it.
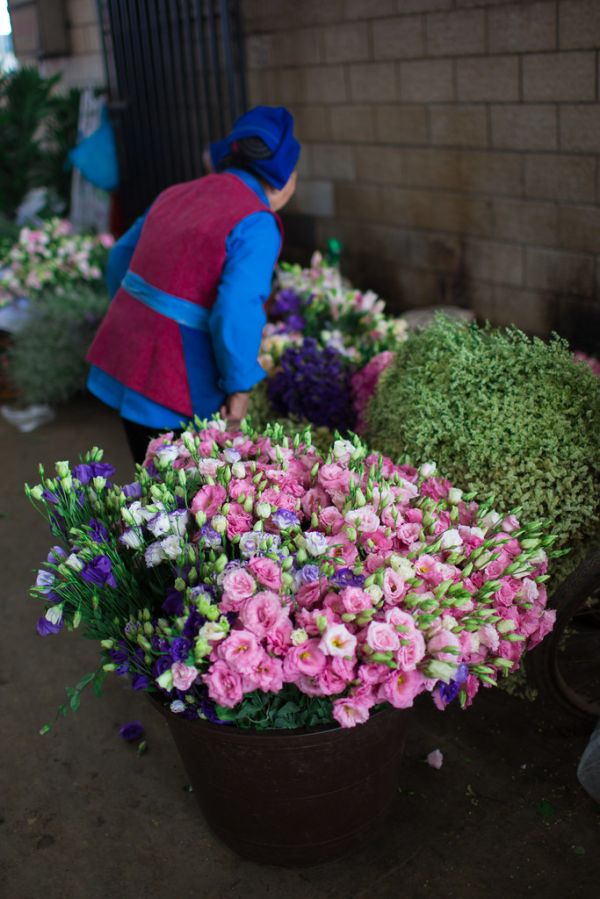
(216, 65)
(228, 58)
(183, 117)
(148, 169)
(196, 124)
(241, 56)
(157, 136)
(211, 132)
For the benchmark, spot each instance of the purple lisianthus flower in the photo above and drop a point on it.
(86, 471)
(49, 496)
(131, 731)
(98, 531)
(45, 580)
(160, 666)
(449, 692)
(121, 659)
(308, 574)
(345, 577)
(45, 627)
(284, 519)
(99, 572)
(295, 322)
(210, 537)
(193, 624)
(173, 604)
(286, 302)
(140, 682)
(56, 555)
(132, 491)
(180, 649)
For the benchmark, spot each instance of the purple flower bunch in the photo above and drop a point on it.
(313, 383)
(288, 306)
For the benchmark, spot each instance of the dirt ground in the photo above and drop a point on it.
(82, 816)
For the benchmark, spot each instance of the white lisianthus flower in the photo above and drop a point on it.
(299, 636)
(315, 543)
(154, 554)
(231, 455)
(212, 631)
(159, 525)
(74, 562)
(177, 706)
(171, 546)
(428, 469)
(54, 614)
(450, 539)
(338, 641)
(455, 496)
(178, 521)
(167, 454)
(375, 592)
(238, 470)
(343, 450)
(490, 520)
(209, 467)
(131, 538)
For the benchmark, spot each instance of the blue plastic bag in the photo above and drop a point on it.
(96, 156)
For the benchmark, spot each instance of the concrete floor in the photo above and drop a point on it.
(83, 817)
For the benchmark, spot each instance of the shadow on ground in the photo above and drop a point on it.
(83, 817)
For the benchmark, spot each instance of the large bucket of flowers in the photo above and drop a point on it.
(284, 610)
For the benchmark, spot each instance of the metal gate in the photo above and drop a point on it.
(176, 81)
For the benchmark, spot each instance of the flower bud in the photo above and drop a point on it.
(200, 518)
(62, 469)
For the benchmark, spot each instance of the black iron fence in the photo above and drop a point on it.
(176, 81)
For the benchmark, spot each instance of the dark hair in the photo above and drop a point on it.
(243, 153)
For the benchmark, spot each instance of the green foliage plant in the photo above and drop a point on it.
(47, 360)
(500, 413)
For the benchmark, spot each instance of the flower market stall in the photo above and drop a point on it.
(269, 599)
(52, 296)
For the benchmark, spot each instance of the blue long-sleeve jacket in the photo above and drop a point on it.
(235, 325)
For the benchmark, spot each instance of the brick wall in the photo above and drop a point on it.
(59, 36)
(452, 145)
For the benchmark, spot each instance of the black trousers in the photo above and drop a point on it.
(138, 437)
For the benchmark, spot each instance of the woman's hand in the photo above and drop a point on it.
(235, 408)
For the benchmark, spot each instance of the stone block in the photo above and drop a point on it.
(501, 263)
(580, 128)
(560, 177)
(332, 161)
(522, 27)
(579, 24)
(559, 272)
(373, 82)
(488, 78)
(524, 127)
(579, 228)
(346, 42)
(559, 77)
(427, 81)
(404, 125)
(456, 33)
(458, 126)
(399, 38)
(353, 123)
(526, 220)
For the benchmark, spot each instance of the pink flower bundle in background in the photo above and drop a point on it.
(364, 384)
(593, 363)
(243, 577)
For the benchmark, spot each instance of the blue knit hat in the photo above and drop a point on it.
(274, 125)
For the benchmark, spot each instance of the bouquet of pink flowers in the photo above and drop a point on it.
(244, 578)
(52, 257)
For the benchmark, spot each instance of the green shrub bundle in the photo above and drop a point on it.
(499, 413)
(47, 361)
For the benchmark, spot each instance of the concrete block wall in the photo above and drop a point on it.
(452, 145)
(80, 59)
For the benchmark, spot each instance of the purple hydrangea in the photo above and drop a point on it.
(99, 571)
(313, 383)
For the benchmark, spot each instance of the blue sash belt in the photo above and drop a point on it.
(178, 310)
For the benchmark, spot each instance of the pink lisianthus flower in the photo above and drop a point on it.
(547, 621)
(349, 712)
(261, 613)
(266, 571)
(344, 548)
(382, 637)
(155, 444)
(267, 675)
(330, 682)
(412, 650)
(439, 641)
(314, 500)
(243, 487)
(373, 673)
(364, 519)
(209, 499)
(400, 688)
(238, 521)
(278, 639)
(428, 567)
(355, 600)
(241, 651)
(338, 641)
(224, 685)
(239, 584)
(307, 659)
(497, 568)
(408, 532)
(183, 675)
(394, 587)
(376, 542)
(333, 478)
(309, 594)
(331, 519)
